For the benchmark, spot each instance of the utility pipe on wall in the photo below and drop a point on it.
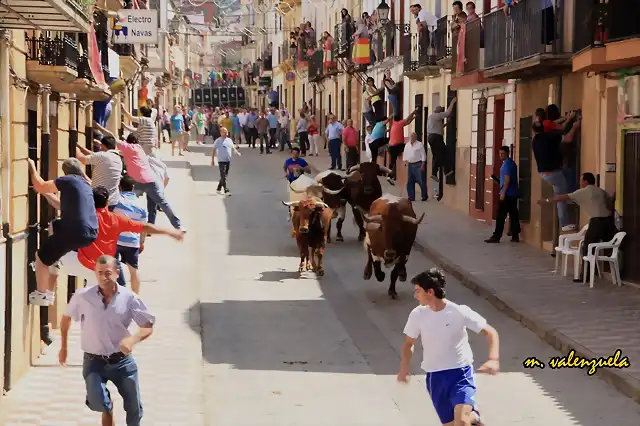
(5, 134)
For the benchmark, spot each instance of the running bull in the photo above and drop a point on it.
(362, 189)
(391, 230)
(311, 219)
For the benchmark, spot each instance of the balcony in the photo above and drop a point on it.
(419, 57)
(266, 63)
(329, 61)
(44, 15)
(129, 63)
(316, 66)
(527, 44)
(52, 61)
(445, 49)
(606, 36)
(342, 41)
(468, 64)
(384, 44)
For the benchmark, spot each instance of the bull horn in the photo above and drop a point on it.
(297, 192)
(323, 205)
(331, 191)
(415, 221)
(348, 175)
(353, 168)
(385, 170)
(376, 219)
(291, 203)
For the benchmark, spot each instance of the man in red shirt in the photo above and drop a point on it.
(396, 140)
(82, 263)
(350, 139)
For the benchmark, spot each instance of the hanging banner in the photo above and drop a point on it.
(461, 58)
(95, 62)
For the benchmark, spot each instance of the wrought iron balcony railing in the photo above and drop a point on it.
(443, 40)
(383, 42)
(590, 24)
(419, 50)
(470, 61)
(528, 31)
(330, 61)
(316, 66)
(267, 62)
(343, 40)
(62, 52)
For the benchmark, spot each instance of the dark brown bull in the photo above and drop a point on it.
(311, 219)
(391, 230)
(362, 189)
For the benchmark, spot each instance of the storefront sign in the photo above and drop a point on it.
(135, 26)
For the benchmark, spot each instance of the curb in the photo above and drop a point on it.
(622, 382)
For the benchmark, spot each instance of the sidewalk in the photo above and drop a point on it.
(519, 280)
(170, 362)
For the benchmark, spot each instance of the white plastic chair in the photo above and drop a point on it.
(565, 248)
(593, 257)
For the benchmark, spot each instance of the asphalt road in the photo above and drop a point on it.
(283, 349)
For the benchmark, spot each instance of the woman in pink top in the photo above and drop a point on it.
(137, 164)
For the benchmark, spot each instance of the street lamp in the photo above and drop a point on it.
(383, 12)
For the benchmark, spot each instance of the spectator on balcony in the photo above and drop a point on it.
(373, 94)
(350, 139)
(314, 135)
(546, 148)
(396, 139)
(302, 130)
(458, 18)
(424, 19)
(393, 91)
(435, 139)
(471, 12)
(334, 135)
(508, 4)
(309, 38)
(361, 54)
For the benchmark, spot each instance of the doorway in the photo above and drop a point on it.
(481, 154)
(498, 137)
(631, 207)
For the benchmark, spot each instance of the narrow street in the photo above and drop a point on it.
(243, 340)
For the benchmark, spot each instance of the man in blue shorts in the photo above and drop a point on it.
(447, 357)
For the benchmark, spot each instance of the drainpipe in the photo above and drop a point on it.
(45, 139)
(5, 165)
(5, 136)
(73, 142)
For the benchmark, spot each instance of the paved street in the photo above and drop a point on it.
(279, 349)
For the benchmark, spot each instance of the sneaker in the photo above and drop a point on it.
(568, 228)
(228, 194)
(41, 299)
(219, 192)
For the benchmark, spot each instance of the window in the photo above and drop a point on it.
(342, 105)
(304, 95)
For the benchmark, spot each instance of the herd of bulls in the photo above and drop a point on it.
(387, 224)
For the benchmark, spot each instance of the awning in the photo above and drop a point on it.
(45, 15)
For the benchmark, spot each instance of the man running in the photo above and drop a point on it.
(447, 356)
(105, 312)
(223, 148)
(130, 244)
(76, 228)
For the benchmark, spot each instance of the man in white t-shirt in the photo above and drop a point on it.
(162, 172)
(367, 140)
(447, 357)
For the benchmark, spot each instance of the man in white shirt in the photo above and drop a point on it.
(367, 140)
(224, 148)
(447, 357)
(285, 133)
(415, 157)
(162, 172)
(242, 118)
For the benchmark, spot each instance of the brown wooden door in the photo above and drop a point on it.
(481, 153)
(498, 136)
(631, 207)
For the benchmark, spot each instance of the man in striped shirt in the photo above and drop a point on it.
(130, 244)
(146, 130)
(106, 167)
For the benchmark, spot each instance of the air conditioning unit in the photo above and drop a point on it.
(632, 95)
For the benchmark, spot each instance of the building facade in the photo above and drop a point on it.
(51, 82)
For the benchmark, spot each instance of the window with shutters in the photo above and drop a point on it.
(481, 153)
(342, 105)
(524, 168)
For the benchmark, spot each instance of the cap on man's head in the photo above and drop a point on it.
(72, 166)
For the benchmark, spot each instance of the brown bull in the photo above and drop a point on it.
(311, 219)
(363, 188)
(391, 230)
